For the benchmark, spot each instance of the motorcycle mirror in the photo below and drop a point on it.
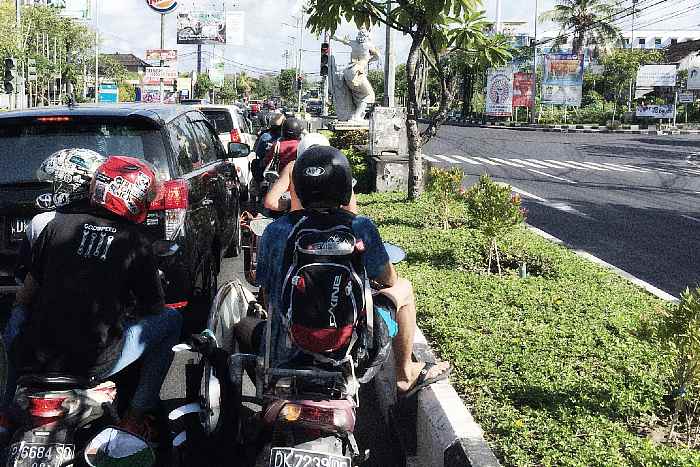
(113, 447)
(396, 253)
(182, 348)
(164, 248)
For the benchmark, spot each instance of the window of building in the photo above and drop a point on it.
(627, 43)
(642, 42)
(674, 41)
(657, 43)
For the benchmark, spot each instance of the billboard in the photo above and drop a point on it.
(649, 76)
(76, 9)
(109, 92)
(168, 56)
(694, 78)
(656, 111)
(217, 72)
(562, 83)
(522, 90)
(499, 92)
(201, 27)
(235, 27)
(162, 6)
(156, 73)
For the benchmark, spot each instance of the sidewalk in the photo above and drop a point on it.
(624, 129)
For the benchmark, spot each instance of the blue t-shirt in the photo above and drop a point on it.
(270, 276)
(264, 143)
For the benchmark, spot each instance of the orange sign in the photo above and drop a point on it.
(162, 6)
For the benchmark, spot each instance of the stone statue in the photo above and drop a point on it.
(351, 89)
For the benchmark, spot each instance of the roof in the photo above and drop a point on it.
(158, 113)
(677, 52)
(127, 60)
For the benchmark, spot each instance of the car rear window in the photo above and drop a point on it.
(221, 119)
(25, 143)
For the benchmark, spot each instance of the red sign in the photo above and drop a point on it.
(522, 90)
(162, 6)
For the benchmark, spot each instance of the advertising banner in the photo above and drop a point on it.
(499, 92)
(201, 27)
(162, 6)
(109, 93)
(217, 72)
(694, 78)
(655, 111)
(686, 97)
(155, 73)
(562, 83)
(235, 27)
(168, 56)
(650, 76)
(76, 9)
(522, 90)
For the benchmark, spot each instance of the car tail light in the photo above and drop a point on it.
(235, 136)
(173, 199)
(333, 419)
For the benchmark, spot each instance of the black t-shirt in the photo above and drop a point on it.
(92, 272)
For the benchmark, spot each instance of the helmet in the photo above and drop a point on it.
(276, 121)
(292, 128)
(323, 178)
(125, 186)
(310, 140)
(70, 171)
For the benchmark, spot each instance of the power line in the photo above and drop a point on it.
(672, 15)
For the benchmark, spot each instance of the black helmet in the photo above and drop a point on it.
(292, 128)
(323, 178)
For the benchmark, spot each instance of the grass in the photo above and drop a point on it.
(561, 368)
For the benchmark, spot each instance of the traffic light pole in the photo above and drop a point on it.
(18, 18)
(162, 45)
(389, 65)
(325, 64)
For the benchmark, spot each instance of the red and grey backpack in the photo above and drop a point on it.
(325, 295)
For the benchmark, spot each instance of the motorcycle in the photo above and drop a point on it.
(58, 416)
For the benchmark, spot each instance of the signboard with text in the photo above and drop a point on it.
(201, 27)
(155, 73)
(694, 78)
(162, 6)
(650, 76)
(656, 111)
(235, 28)
(562, 83)
(522, 90)
(168, 56)
(499, 92)
(686, 97)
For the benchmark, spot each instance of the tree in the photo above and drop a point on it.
(620, 68)
(592, 22)
(437, 29)
(228, 91)
(203, 86)
(376, 79)
(287, 84)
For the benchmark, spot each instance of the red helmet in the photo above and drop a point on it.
(125, 186)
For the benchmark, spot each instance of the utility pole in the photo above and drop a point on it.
(499, 17)
(162, 46)
(199, 59)
(18, 18)
(534, 70)
(389, 65)
(301, 50)
(97, 51)
(634, 11)
(286, 59)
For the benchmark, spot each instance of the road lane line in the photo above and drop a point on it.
(565, 164)
(546, 164)
(466, 159)
(587, 167)
(446, 158)
(692, 171)
(430, 159)
(507, 162)
(552, 176)
(691, 218)
(485, 161)
(537, 166)
(525, 193)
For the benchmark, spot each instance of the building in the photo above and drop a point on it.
(685, 54)
(658, 39)
(131, 62)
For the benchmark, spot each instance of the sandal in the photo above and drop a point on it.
(422, 381)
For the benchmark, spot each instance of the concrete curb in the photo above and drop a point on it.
(624, 274)
(447, 434)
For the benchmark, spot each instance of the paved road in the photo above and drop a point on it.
(632, 200)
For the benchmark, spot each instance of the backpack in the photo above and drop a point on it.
(326, 292)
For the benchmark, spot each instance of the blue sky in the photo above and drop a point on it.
(129, 26)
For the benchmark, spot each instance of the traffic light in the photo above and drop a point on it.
(300, 83)
(325, 57)
(10, 75)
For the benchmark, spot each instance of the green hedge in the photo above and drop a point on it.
(561, 368)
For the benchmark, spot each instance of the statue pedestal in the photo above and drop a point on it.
(349, 126)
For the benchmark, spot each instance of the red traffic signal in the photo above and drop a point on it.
(325, 56)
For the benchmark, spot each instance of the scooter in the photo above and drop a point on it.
(58, 416)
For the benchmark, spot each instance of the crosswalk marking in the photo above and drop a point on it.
(446, 159)
(546, 164)
(507, 162)
(466, 159)
(625, 167)
(614, 169)
(530, 164)
(587, 167)
(551, 176)
(564, 164)
(486, 161)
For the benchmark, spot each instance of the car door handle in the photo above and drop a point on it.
(207, 202)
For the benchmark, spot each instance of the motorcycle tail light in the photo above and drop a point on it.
(331, 419)
(46, 408)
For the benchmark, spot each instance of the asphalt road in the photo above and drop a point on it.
(631, 200)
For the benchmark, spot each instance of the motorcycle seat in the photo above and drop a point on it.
(54, 381)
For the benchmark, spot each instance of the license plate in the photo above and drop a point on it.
(25, 454)
(290, 457)
(18, 229)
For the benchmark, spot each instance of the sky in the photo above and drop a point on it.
(129, 26)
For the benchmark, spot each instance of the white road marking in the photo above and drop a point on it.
(691, 218)
(626, 167)
(692, 171)
(546, 164)
(429, 159)
(446, 159)
(537, 166)
(507, 162)
(486, 161)
(587, 167)
(615, 169)
(525, 193)
(467, 160)
(552, 176)
(565, 164)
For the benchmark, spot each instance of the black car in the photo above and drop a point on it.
(197, 206)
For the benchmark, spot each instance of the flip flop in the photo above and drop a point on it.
(423, 382)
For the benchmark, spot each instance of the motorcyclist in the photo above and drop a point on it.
(330, 190)
(282, 196)
(265, 141)
(286, 148)
(95, 295)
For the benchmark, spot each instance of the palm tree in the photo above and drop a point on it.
(590, 21)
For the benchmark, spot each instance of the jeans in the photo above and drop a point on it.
(150, 338)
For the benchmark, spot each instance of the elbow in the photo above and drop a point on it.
(269, 204)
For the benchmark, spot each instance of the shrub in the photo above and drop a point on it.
(360, 170)
(348, 139)
(492, 209)
(443, 190)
